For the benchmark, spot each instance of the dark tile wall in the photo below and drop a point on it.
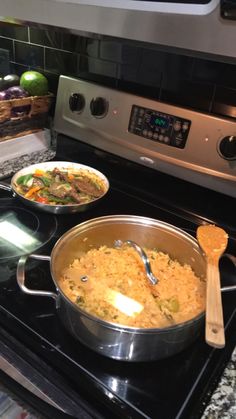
(188, 81)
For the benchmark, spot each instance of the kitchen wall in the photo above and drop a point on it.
(197, 83)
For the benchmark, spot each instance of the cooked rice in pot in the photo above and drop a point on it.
(112, 284)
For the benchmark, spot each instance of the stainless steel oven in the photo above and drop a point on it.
(162, 162)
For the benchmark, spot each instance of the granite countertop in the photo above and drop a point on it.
(8, 168)
(20, 152)
(223, 401)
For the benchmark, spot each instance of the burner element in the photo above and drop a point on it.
(22, 231)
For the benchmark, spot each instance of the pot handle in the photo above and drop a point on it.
(20, 276)
(232, 260)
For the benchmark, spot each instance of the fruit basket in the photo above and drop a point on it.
(24, 104)
(24, 115)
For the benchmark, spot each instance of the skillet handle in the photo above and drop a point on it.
(20, 276)
(6, 187)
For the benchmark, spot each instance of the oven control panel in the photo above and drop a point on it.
(194, 146)
(158, 126)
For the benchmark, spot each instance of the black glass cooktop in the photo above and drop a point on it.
(23, 231)
(176, 387)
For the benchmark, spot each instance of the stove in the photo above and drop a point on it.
(42, 362)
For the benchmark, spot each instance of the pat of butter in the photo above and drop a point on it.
(124, 304)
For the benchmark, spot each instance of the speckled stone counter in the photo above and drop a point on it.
(9, 167)
(20, 152)
(223, 401)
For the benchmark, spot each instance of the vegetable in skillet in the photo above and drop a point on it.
(23, 180)
(60, 187)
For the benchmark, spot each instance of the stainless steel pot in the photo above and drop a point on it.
(109, 339)
(55, 209)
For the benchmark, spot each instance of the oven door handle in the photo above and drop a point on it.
(20, 276)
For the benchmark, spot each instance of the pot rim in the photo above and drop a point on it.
(122, 217)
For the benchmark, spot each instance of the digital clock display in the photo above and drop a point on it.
(158, 126)
(159, 121)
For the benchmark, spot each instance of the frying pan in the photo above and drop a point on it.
(59, 208)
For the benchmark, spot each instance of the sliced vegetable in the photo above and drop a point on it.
(64, 185)
(42, 199)
(46, 181)
(80, 300)
(68, 200)
(32, 191)
(96, 184)
(23, 180)
(39, 172)
(171, 304)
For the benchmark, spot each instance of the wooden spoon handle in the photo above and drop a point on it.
(214, 332)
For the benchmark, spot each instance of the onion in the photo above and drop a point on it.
(15, 92)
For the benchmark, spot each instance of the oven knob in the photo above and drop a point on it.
(98, 107)
(76, 102)
(227, 148)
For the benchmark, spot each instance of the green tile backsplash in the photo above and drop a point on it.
(196, 83)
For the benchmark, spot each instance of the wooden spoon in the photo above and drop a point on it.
(213, 241)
